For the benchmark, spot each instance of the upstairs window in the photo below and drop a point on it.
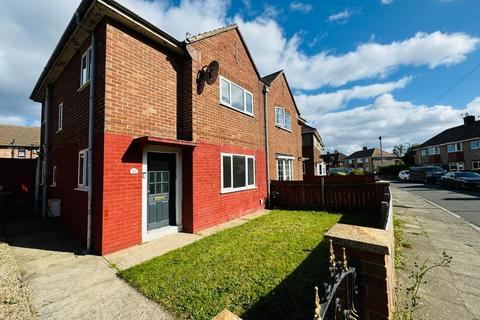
(454, 147)
(423, 152)
(475, 144)
(235, 97)
(85, 67)
(283, 119)
(433, 151)
(21, 152)
(82, 169)
(60, 117)
(238, 172)
(360, 160)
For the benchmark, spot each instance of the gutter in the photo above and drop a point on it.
(267, 147)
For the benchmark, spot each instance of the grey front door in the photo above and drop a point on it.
(161, 190)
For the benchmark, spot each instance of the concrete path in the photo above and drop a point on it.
(68, 286)
(452, 293)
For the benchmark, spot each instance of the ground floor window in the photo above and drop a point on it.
(21, 152)
(284, 168)
(238, 172)
(456, 166)
(321, 169)
(476, 164)
(82, 169)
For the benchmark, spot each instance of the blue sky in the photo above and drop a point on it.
(359, 69)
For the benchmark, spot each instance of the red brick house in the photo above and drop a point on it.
(152, 141)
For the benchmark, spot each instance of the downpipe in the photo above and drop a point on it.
(267, 147)
(44, 165)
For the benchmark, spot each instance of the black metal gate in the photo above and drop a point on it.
(335, 305)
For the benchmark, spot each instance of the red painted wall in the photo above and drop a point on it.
(210, 207)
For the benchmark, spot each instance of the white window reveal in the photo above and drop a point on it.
(475, 144)
(284, 168)
(238, 172)
(82, 169)
(85, 67)
(54, 176)
(455, 147)
(283, 119)
(235, 97)
(60, 117)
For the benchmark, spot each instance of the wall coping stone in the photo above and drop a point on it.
(366, 239)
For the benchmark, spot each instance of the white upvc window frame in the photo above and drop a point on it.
(229, 103)
(23, 153)
(60, 117)
(54, 176)
(433, 150)
(83, 183)
(232, 188)
(283, 124)
(457, 165)
(85, 79)
(455, 145)
(359, 160)
(423, 152)
(475, 144)
(285, 160)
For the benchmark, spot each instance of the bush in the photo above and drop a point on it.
(357, 172)
(393, 170)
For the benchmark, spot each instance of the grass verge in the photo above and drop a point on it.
(264, 269)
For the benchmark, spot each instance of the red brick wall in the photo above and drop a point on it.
(65, 145)
(217, 129)
(280, 140)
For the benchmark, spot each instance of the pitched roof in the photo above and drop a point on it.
(367, 153)
(334, 157)
(460, 133)
(23, 136)
(87, 15)
(309, 129)
(269, 78)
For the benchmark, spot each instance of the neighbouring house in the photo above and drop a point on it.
(457, 148)
(19, 142)
(158, 135)
(369, 160)
(334, 160)
(312, 150)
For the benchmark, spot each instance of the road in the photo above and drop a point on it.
(465, 203)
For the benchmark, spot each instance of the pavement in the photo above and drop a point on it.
(65, 285)
(465, 203)
(450, 293)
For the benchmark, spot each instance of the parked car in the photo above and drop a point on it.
(426, 174)
(465, 180)
(404, 175)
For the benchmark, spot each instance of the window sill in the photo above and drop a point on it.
(59, 130)
(238, 190)
(235, 109)
(285, 129)
(53, 185)
(83, 86)
(81, 189)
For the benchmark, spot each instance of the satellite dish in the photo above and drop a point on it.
(212, 72)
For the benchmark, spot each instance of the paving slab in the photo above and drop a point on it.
(450, 293)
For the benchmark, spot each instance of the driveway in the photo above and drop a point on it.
(465, 203)
(69, 286)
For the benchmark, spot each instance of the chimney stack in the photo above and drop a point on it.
(365, 148)
(468, 120)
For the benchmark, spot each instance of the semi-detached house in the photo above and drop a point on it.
(456, 148)
(141, 138)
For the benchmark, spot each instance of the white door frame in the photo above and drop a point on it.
(153, 234)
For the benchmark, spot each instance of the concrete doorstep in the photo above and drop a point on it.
(450, 293)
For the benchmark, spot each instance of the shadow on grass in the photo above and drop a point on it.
(294, 297)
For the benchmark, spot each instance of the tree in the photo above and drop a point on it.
(409, 155)
(399, 150)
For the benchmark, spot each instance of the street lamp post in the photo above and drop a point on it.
(381, 151)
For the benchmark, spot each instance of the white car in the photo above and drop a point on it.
(404, 175)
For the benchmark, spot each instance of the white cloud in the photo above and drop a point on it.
(312, 104)
(387, 2)
(396, 121)
(301, 7)
(341, 16)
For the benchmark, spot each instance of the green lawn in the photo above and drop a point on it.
(264, 269)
